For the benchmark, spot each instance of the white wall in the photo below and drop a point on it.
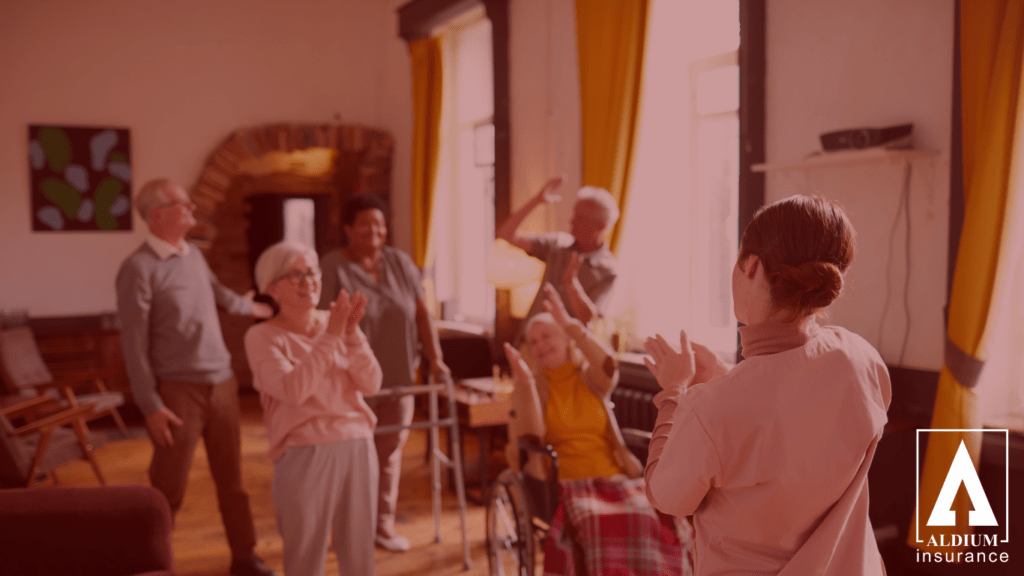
(833, 64)
(182, 76)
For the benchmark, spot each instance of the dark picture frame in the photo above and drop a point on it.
(80, 178)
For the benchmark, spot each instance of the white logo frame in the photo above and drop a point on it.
(917, 475)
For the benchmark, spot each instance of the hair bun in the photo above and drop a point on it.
(805, 244)
(812, 284)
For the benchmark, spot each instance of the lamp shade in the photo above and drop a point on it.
(522, 297)
(509, 267)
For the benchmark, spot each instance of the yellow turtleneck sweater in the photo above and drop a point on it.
(577, 427)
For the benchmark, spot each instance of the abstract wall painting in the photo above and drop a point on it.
(81, 178)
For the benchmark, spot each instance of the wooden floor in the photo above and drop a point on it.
(200, 548)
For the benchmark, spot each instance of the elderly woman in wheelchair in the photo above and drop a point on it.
(566, 451)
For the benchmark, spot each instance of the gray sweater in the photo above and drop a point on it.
(167, 310)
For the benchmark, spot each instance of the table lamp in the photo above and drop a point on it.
(509, 268)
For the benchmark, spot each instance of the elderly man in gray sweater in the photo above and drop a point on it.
(179, 367)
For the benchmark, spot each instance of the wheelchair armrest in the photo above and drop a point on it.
(636, 437)
(531, 443)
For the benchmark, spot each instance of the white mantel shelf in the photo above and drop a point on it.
(825, 159)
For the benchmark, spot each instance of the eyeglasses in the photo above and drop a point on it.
(296, 277)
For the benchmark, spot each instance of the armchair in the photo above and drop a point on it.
(43, 442)
(77, 531)
(28, 376)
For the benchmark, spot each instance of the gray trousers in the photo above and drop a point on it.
(327, 493)
(389, 453)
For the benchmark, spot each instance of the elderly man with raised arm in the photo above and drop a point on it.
(179, 366)
(579, 265)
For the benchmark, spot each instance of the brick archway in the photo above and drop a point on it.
(362, 164)
(375, 147)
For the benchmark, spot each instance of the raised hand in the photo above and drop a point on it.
(670, 368)
(553, 304)
(520, 371)
(341, 309)
(547, 193)
(357, 310)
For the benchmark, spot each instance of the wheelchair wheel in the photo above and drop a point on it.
(510, 539)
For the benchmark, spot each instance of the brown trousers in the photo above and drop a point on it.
(209, 412)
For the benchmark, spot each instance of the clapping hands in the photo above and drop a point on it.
(709, 365)
(695, 363)
(670, 368)
(571, 276)
(346, 312)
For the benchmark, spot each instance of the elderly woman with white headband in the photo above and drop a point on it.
(312, 368)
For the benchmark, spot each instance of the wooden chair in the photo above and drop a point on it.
(28, 376)
(43, 442)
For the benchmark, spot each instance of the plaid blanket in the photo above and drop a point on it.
(609, 528)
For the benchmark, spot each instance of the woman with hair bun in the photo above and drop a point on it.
(771, 457)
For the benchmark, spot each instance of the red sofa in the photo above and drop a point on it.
(69, 531)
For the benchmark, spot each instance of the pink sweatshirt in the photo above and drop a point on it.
(312, 388)
(772, 458)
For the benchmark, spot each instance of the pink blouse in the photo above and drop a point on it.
(772, 458)
(312, 388)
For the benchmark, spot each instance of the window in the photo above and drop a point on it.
(464, 202)
(679, 243)
(1001, 385)
(300, 221)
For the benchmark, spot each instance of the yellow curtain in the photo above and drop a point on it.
(991, 43)
(610, 36)
(427, 77)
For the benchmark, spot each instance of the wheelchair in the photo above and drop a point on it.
(519, 507)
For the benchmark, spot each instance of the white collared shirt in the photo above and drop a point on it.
(165, 249)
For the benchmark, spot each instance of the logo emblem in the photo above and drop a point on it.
(962, 472)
